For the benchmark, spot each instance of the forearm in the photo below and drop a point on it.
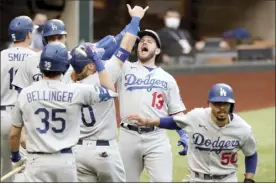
(128, 40)
(23, 139)
(130, 36)
(251, 165)
(105, 80)
(165, 122)
(14, 139)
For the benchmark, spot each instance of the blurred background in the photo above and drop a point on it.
(203, 42)
(192, 31)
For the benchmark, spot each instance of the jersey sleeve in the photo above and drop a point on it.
(66, 78)
(17, 119)
(249, 145)
(185, 121)
(90, 95)
(175, 103)
(22, 78)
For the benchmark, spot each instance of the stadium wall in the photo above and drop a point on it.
(253, 84)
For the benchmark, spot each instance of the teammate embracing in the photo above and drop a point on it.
(97, 155)
(20, 32)
(216, 135)
(49, 110)
(53, 31)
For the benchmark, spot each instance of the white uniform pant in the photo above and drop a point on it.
(58, 167)
(98, 162)
(6, 165)
(151, 150)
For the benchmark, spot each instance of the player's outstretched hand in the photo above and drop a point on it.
(139, 120)
(137, 11)
(93, 52)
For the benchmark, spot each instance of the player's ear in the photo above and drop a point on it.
(157, 51)
(92, 67)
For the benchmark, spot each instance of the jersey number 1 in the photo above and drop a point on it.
(12, 74)
(157, 100)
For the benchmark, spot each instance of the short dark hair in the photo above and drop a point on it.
(50, 74)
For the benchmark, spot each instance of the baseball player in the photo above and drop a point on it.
(49, 110)
(54, 30)
(98, 122)
(20, 31)
(216, 134)
(147, 89)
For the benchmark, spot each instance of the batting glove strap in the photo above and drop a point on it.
(248, 181)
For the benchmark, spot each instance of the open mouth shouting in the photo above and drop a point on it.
(144, 49)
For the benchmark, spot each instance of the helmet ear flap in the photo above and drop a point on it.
(231, 108)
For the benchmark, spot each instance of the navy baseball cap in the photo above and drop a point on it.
(148, 32)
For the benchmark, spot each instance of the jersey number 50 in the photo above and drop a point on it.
(229, 158)
(53, 114)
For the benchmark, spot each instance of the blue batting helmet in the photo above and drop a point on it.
(79, 58)
(222, 93)
(153, 34)
(54, 57)
(53, 27)
(19, 28)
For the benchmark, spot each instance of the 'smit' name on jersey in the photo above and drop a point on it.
(12, 60)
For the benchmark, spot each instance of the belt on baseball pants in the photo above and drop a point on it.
(65, 150)
(140, 130)
(4, 107)
(98, 142)
(210, 177)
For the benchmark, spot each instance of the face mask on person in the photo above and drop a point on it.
(172, 22)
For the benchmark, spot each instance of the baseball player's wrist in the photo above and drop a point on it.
(134, 25)
(122, 54)
(168, 123)
(15, 156)
(99, 65)
(251, 163)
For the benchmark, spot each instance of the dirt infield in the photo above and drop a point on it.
(253, 90)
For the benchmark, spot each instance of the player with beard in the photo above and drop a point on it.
(216, 135)
(148, 90)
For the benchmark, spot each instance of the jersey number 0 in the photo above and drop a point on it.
(92, 117)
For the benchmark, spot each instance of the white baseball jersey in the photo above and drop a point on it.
(29, 72)
(11, 60)
(150, 93)
(98, 121)
(214, 150)
(50, 111)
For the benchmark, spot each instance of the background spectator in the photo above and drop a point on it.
(176, 41)
(39, 20)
